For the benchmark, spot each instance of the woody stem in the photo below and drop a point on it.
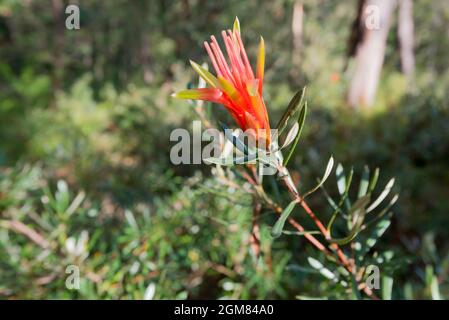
(286, 178)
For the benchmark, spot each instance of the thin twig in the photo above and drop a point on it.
(22, 228)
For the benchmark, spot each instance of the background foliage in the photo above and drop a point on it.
(85, 175)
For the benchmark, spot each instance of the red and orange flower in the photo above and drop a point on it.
(235, 86)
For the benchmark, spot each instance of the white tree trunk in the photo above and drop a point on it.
(406, 35)
(376, 21)
(297, 30)
(297, 22)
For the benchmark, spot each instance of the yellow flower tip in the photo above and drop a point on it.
(262, 44)
(174, 95)
(260, 61)
(236, 27)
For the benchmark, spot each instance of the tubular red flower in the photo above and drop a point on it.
(235, 85)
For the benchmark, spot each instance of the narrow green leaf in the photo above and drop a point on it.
(330, 200)
(364, 182)
(355, 288)
(76, 203)
(301, 121)
(331, 220)
(408, 291)
(131, 220)
(382, 196)
(341, 179)
(358, 209)
(291, 135)
(275, 187)
(295, 104)
(357, 212)
(432, 283)
(330, 165)
(375, 234)
(387, 287)
(428, 275)
(341, 186)
(373, 181)
(279, 225)
(323, 270)
(344, 196)
(349, 180)
(383, 212)
(301, 297)
(300, 233)
(345, 240)
(345, 199)
(435, 289)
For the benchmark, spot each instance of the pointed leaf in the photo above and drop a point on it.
(344, 240)
(387, 287)
(301, 121)
(344, 198)
(383, 212)
(341, 179)
(355, 288)
(364, 182)
(375, 234)
(373, 181)
(328, 171)
(291, 135)
(323, 270)
(331, 201)
(382, 196)
(358, 213)
(279, 225)
(332, 220)
(295, 104)
(435, 288)
(300, 233)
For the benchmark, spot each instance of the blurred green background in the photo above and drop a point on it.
(85, 174)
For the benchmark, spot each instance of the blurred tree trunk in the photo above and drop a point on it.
(297, 31)
(145, 45)
(145, 58)
(57, 8)
(406, 37)
(375, 21)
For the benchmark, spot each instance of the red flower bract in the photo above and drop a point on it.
(235, 86)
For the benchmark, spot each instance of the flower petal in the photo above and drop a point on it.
(260, 63)
(206, 75)
(244, 56)
(252, 86)
(207, 94)
(231, 91)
